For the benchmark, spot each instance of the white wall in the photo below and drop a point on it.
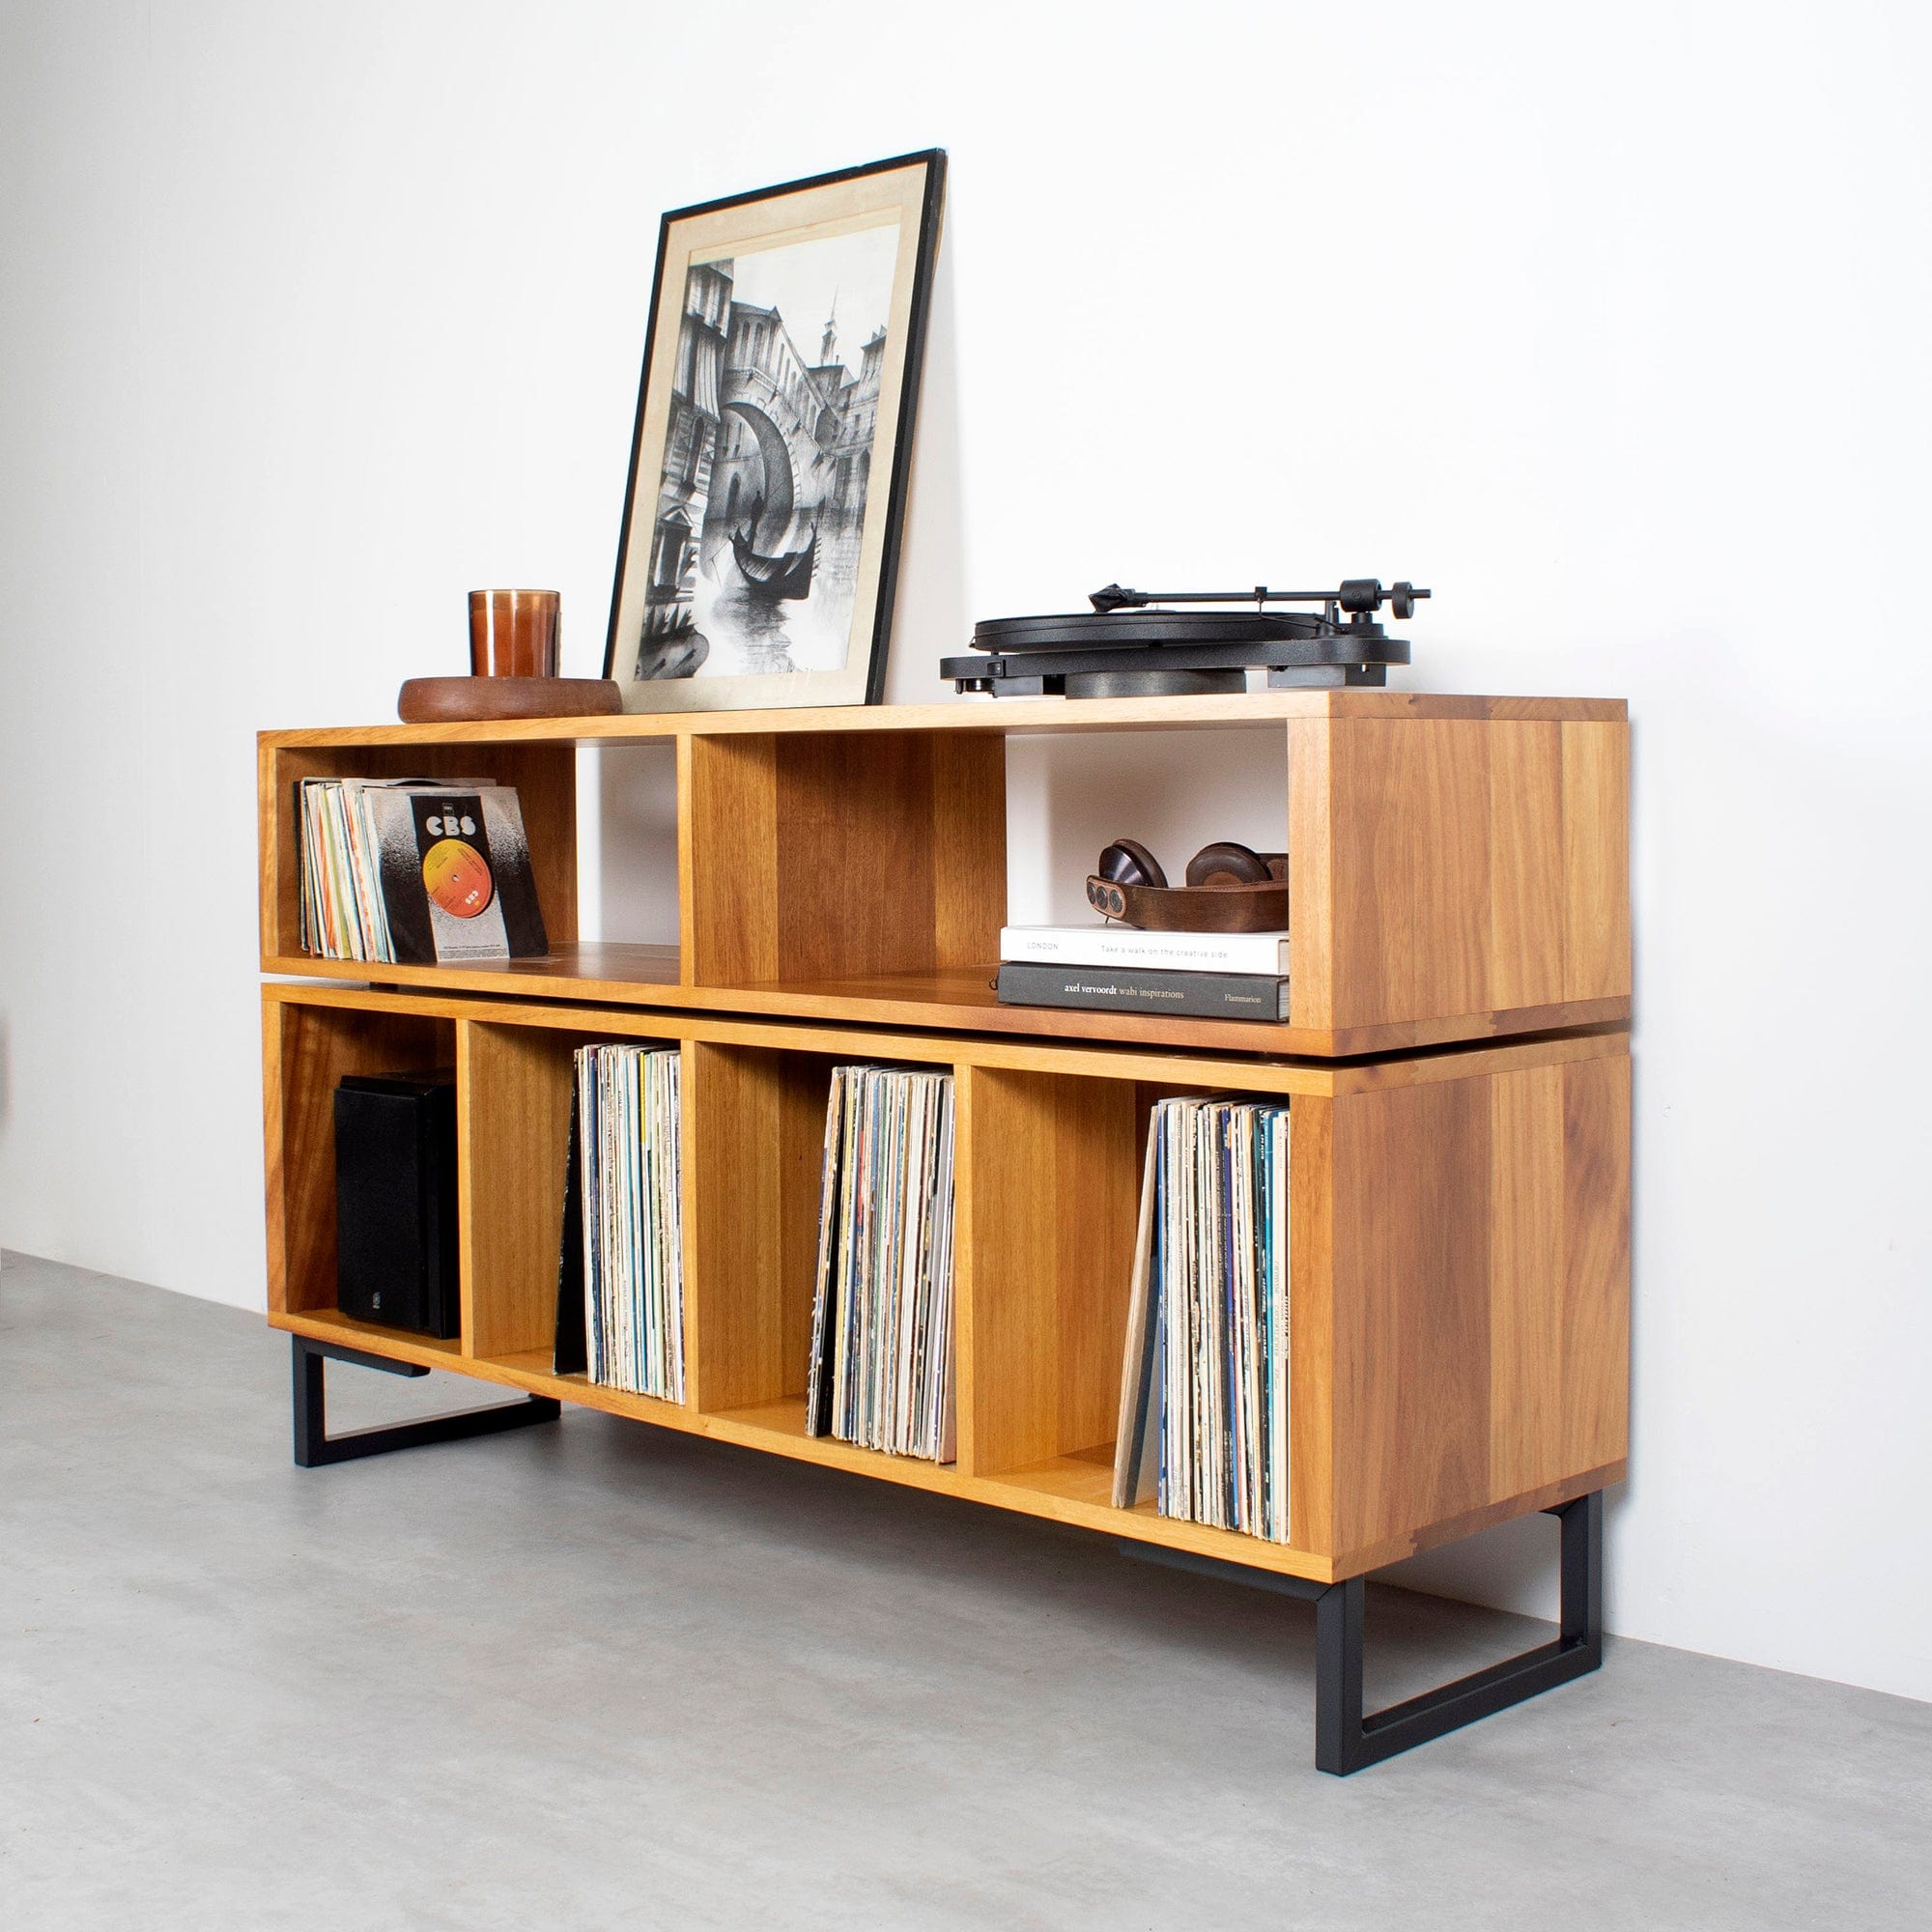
(1608, 324)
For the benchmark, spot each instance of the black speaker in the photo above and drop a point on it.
(395, 1201)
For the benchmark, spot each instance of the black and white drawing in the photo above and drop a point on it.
(768, 457)
(757, 560)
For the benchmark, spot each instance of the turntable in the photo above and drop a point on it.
(1128, 646)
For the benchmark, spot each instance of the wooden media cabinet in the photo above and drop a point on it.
(1455, 1063)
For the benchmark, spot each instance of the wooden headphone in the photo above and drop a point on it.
(1229, 889)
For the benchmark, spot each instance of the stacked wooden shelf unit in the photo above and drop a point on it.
(1456, 1062)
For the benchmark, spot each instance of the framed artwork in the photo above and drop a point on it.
(759, 551)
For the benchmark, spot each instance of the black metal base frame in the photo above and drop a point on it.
(1345, 1738)
(315, 1447)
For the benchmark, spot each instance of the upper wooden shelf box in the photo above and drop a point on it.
(1459, 866)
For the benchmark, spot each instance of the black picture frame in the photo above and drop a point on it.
(801, 456)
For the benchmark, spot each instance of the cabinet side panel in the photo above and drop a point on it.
(1097, 1189)
(1596, 1261)
(969, 846)
(513, 1126)
(1311, 989)
(754, 1127)
(1004, 1222)
(1528, 1409)
(273, 827)
(1527, 902)
(727, 848)
(1046, 1215)
(1310, 1312)
(1596, 849)
(1411, 1308)
(1409, 806)
(277, 1205)
(279, 773)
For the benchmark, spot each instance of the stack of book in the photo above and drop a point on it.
(625, 1152)
(1204, 1388)
(1201, 974)
(881, 1366)
(412, 872)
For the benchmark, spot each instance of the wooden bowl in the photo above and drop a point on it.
(458, 700)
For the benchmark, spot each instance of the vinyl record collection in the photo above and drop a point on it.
(881, 1368)
(1204, 1390)
(342, 911)
(628, 1140)
(413, 873)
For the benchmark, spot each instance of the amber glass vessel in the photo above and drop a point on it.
(514, 633)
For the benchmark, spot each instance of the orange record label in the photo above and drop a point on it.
(456, 877)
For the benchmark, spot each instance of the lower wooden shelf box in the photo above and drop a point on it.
(1457, 1269)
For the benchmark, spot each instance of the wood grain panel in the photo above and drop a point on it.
(1004, 1322)
(840, 856)
(1097, 1200)
(955, 999)
(969, 847)
(892, 853)
(513, 1125)
(1526, 895)
(1049, 1201)
(1311, 1315)
(1311, 991)
(1476, 868)
(1595, 1394)
(855, 866)
(1447, 882)
(1368, 1556)
(1411, 1308)
(277, 894)
(1526, 1313)
(306, 1050)
(1596, 849)
(1482, 1297)
(1409, 869)
(754, 1124)
(727, 806)
(1008, 717)
(1169, 1068)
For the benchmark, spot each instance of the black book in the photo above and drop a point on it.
(1221, 996)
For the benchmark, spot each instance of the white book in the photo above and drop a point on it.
(1109, 945)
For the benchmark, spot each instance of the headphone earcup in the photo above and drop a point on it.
(1227, 864)
(1126, 862)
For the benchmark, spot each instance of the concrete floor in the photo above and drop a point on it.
(591, 1675)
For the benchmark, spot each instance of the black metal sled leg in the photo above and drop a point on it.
(1346, 1741)
(315, 1447)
